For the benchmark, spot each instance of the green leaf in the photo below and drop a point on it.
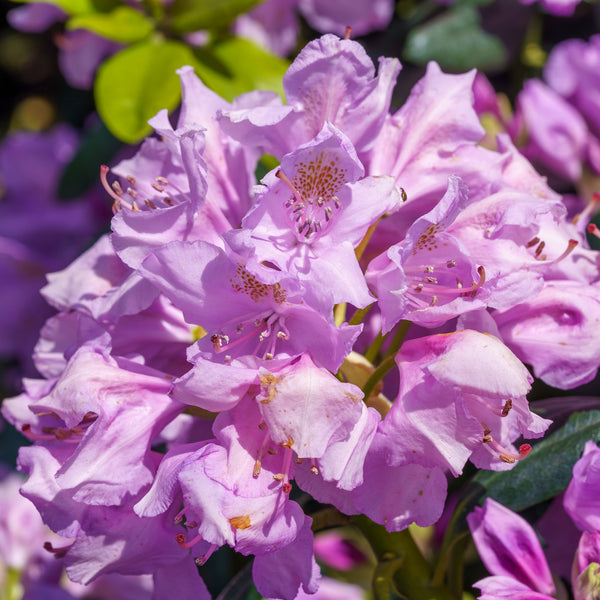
(71, 7)
(124, 24)
(548, 468)
(193, 15)
(97, 147)
(237, 65)
(456, 41)
(134, 84)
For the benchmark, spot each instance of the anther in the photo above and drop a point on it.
(117, 187)
(132, 192)
(451, 263)
(403, 195)
(110, 190)
(533, 242)
(162, 180)
(506, 408)
(58, 552)
(592, 229)
(348, 32)
(132, 180)
(182, 541)
(201, 560)
(539, 249)
(570, 247)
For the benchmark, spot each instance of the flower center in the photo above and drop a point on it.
(313, 203)
(168, 194)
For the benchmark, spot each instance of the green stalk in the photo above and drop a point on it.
(402, 570)
(449, 564)
(379, 373)
(359, 315)
(375, 347)
(397, 339)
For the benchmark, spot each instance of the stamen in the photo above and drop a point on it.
(182, 542)
(539, 249)
(58, 552)
(261, 451)
(590, 208)
(286, 486)
(201, 560)
(111, 192)
(503, 454)
(281, 175)
(570, 247)
(118, 189)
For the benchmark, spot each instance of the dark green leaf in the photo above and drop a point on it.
(97, 147)
(134, 84)
(241, 586)
(548, 468)
(124, 24)
(193, 15)
(456, 41)
(237, 65)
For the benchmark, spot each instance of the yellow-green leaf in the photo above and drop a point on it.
(237, 65)
(193, 15)
(123, 24)
(134, 84)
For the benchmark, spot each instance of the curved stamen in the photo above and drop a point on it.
(182, 540)
(200, 560)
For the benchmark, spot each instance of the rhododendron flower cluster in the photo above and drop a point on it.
(203, 367)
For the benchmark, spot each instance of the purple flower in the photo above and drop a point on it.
(561, 8)
(315, 211)
(556, 134)
(428, 278)
(31, 220)
(582, 496)
(363, 16)
(462, 396)
(572, 71)
(272, 24)
(555, 333)
(511, 551)
(246, 312)
(331, 81)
